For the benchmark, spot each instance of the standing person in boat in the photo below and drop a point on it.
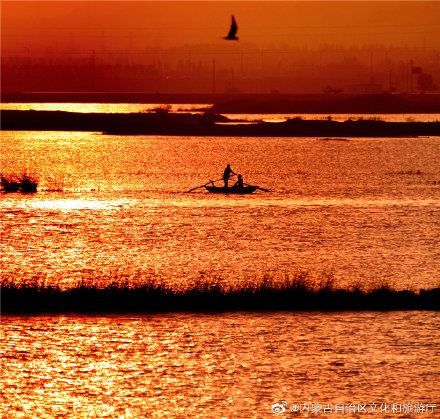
(239, 184)
(227, 174)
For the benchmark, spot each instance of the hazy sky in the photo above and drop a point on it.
(116, 25)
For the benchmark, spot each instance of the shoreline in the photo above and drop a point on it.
(318, 103)
(207, 124)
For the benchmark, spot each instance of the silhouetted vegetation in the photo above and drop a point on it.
(295, 293)
(162, 109)
(24, 182)
(164, 123)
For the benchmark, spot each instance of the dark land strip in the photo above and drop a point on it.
(295, 296)
(164, 123)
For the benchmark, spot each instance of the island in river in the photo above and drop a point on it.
(207, 124)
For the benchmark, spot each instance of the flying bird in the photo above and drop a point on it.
(232, 35)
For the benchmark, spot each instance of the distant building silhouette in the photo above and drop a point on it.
(365, 88)
(221, 67)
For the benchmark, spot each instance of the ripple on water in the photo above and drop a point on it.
(234, 363)
(366, 210)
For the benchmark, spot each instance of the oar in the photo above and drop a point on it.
(197, 187)
(202, 186)
(264, 189)
(259, 187)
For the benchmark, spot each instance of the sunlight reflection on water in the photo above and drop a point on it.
(223, 365)
(74, 204)
(103, 107)
(367, 209)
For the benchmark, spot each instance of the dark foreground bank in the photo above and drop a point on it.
(294, 295)
(163, 123)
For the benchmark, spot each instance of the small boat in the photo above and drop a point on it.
(246, 189)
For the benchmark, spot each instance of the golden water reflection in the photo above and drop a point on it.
(226, 365)
(104, 107)
(366, 209)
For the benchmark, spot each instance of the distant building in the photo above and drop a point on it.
(365, 88)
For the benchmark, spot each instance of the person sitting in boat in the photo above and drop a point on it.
(239, 184)
(227, 174)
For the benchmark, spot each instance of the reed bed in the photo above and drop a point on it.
(23, 182)
(295, 293)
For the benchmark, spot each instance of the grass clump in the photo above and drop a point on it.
(298, 292)
(9, 183)
(24, 183)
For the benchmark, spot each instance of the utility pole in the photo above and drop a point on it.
(438, 62)
(402, 76)
(28, 69)
(93, 70)
(213, 76)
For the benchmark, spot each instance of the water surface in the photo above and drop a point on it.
(115, 207)
(229, 365)
(366, 210)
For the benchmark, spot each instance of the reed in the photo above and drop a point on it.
(24, 182)
(294, 293)
(9, 183)
(162, 109)
(28, 183)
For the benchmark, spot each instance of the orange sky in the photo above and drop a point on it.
(103, 25)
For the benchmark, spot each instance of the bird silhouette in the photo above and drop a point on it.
(232, 35)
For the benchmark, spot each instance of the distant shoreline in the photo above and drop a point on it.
(251, 103)
(173, 124)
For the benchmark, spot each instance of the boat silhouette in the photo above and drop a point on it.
(246, 189)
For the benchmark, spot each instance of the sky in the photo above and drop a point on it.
(115, 25)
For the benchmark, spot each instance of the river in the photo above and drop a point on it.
(116, 207)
